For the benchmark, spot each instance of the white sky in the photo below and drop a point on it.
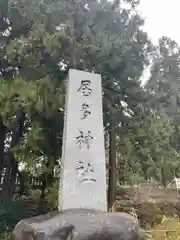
(162, 18)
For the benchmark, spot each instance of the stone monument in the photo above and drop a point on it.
(82, 201)
(83, 175)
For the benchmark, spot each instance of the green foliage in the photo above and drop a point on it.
(94, 36)
(52, 196)
(11, 214)
(43, 40)
(164, 86)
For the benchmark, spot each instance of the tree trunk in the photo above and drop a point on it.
(112, 169)
(2, 140)
(5, 186)
(8, 187)
(163, 177)
(14, 171)
(22, 179)
(47, 181)
(144, 169)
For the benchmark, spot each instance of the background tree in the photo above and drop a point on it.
(40, 41)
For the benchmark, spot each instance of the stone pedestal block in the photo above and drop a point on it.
(79, 224)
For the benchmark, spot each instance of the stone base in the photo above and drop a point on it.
(79, 224)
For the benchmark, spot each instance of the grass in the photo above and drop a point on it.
(168, 229)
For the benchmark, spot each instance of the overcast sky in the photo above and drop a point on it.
(162, 18)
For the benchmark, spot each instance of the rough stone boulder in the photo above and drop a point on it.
(79, 224)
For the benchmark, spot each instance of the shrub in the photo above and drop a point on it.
(11, 214)
(52, 196)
